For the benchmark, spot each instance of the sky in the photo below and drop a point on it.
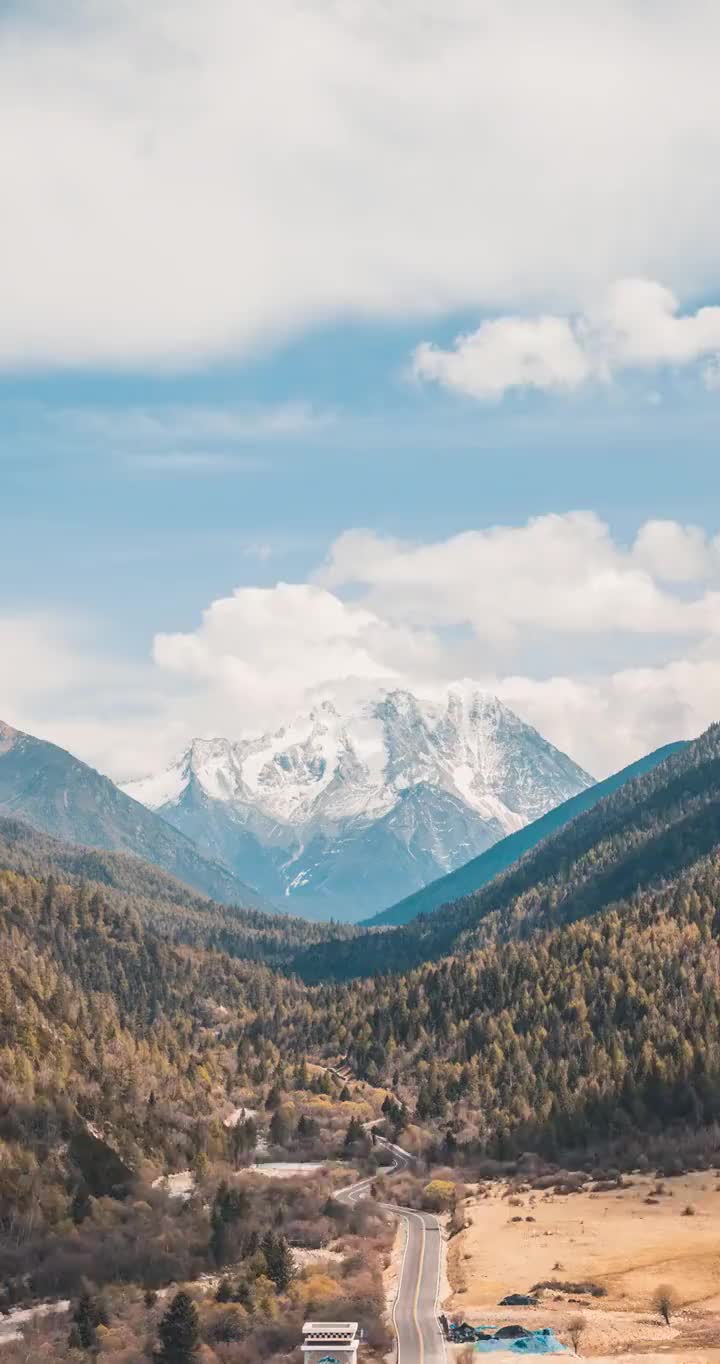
(347, 345)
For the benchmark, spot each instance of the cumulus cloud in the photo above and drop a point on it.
(636, 326)
(610, 649)
(508, 352)
(607, 721)
(259, 654)
(514, 607)
(187, 181)
(557, 589)
(555, 576)
(676, 553)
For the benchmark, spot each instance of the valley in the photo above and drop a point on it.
(359, 678)
(158, 1049)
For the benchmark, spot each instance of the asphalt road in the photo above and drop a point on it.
(415, 1314)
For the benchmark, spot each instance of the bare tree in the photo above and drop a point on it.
(665, 1301)
(576, 1330)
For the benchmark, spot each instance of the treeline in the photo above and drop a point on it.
(172, 910)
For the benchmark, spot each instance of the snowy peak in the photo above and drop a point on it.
(440, 779)
(327, 765)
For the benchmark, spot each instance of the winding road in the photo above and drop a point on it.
(415, 1313)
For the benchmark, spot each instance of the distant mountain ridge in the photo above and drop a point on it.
(475, 874)
(61, 796)
(639, 836)
(344, 810)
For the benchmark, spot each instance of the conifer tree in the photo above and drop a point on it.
(179, 1332)
(88, 1315)
(279, 1259)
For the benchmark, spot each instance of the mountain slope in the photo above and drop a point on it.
(475, 874)
(340, 811)
(604, 1032)
(170, 908)
(645, 831)
(56, 793)
(577, 1002)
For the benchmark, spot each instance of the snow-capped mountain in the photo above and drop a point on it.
(343, 812)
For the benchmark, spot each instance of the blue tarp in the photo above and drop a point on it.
(543, 1342)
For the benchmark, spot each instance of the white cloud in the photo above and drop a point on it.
(676, 553)
(173, 424)
(39, 658)
(608, 721)
(555, 576)
(711, 374)
(195, 462)
(186, 181)
(58, 683)
(508, 352)
(609, 649)
(171, 438)
(636, 326)
(260, 653)
(541, 595)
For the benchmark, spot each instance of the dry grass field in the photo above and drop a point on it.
(615, 1239)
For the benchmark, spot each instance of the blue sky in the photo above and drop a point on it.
(269, 285)
(371, 449)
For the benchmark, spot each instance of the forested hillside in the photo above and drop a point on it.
(121, 1056)
(606, 1026)
(174, 911)
(647, 831)
(579, 1009)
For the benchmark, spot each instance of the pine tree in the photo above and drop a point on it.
(354, 1133)
(80, 1206)
(274, 1098)
(279, 1259)
(224, 1291)
(279, 1128)
(179, 1331)
(88, 1315)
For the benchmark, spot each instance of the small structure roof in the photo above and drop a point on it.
(330, 1330)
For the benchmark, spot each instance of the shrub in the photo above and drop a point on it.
(438, 1195)
(665, 1301)
(594, 1290)
(576, 1328)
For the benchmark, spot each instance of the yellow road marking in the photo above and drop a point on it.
(421, 1262)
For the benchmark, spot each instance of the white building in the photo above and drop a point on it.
(330, 1342)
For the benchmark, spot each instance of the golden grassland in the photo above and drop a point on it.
(615, 1239)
